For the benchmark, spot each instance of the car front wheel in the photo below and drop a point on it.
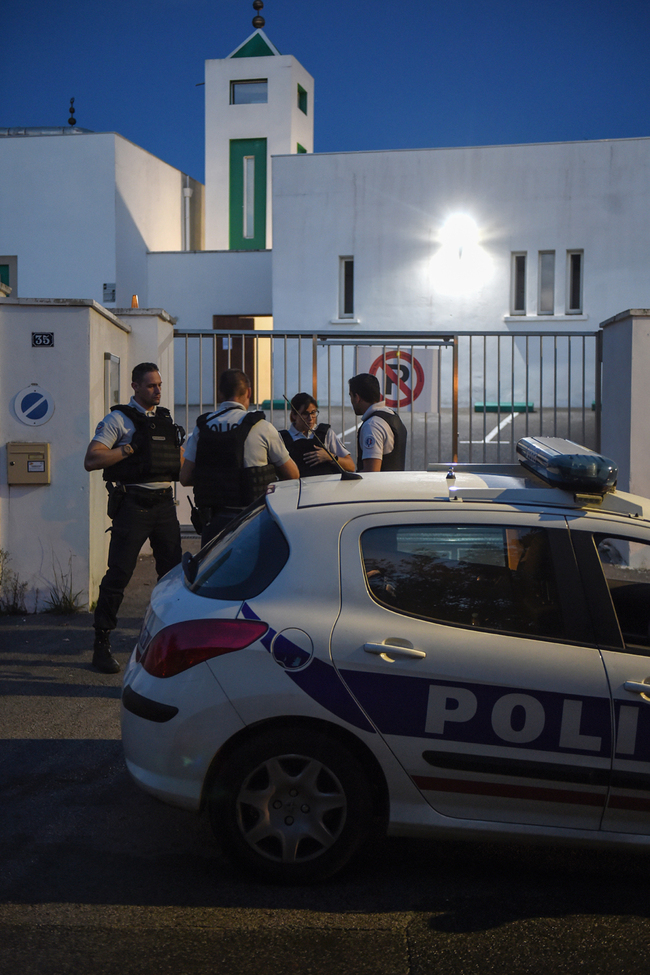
(292, 805)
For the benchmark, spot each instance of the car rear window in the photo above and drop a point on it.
(244, 559)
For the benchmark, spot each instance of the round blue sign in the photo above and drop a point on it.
(33, 405)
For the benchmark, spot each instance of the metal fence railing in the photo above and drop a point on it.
(463, 396)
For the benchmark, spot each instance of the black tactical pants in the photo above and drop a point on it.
(141, 516)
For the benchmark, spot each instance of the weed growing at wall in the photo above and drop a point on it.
(63, 599)
(12, 590)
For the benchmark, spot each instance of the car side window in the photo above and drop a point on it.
(489, 576)
(626, 567)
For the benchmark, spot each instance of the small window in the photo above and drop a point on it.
(518, 285)
(546, 297)
(300, 148)
(626, 567)
(249, 92)
(302, 99)
(346, 287)
(243, 560)
(574, 282)
(249, 197)
(492, 577)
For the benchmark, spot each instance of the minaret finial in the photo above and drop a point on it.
(72, 120)
(258, 22)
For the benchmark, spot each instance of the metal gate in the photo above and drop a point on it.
(465, 396)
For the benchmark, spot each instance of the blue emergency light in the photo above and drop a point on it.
(564, 464)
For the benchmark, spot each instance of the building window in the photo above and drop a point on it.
(9, 273)
(574, 282)
(255, 92)
(300, 148)
(546, 297)
(518, 285)
(346, 287)
(249, 197)
(302, 99)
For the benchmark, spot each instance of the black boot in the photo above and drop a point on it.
(103, 659)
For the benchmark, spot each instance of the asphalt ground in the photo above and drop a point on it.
(97, 876)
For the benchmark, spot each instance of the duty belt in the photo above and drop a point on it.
(148, 497)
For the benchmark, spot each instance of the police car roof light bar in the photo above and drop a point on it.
(567, 465)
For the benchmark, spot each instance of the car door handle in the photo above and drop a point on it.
(637, 686)
(383, 649)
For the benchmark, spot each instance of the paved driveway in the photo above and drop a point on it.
(98, 877)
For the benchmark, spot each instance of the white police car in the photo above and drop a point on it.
(452, 652)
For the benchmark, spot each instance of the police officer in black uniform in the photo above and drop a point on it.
(232, 456)
(381, 438)
(313, 446)
(138, 449)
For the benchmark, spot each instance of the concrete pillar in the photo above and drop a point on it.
(60, 526)
(625, 436)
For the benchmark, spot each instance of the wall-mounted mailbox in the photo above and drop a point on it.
(28, 463)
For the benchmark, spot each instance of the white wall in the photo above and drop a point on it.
(193, 286)
(81, 211)
(387, 210)
(149, 209)
(57, 213)
(280, 121)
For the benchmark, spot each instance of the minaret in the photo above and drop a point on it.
(258, 103)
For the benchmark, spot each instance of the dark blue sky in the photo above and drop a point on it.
(388, 75)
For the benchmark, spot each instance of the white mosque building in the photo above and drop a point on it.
(489, 237)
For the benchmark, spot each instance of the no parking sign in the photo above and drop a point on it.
(408, 380)
(33, 405)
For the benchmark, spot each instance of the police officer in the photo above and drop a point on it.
(232, 456)
(138, 448)
(381, 438)
(304, 440)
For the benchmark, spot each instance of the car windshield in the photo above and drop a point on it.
(244, 559)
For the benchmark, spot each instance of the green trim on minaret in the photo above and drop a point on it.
(256, 46)
(253, 150)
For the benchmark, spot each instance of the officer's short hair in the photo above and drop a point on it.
(365, 386)
(141, 370)
(233, 382)
(302, 399)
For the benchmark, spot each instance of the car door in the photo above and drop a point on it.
(463, 634)
(615, 562)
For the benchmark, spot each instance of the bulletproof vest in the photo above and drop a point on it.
(220, 478)
(156, 449)
(298, 448)
(396, 459)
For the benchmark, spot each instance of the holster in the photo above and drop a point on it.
(195, 517)
(116, 495)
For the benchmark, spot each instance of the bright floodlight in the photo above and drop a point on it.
(460, 266)
(460, 231)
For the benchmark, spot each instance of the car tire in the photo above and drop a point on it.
(292, 805)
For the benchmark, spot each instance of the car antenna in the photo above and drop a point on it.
(345, 475)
